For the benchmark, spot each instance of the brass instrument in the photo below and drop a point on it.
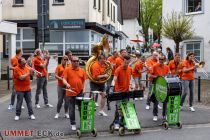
(201, 65)
(34, 70)
(101, 46)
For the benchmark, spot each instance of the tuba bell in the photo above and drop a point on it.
(97, 48)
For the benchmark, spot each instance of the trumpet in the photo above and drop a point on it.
(201, 65)
(34, 70)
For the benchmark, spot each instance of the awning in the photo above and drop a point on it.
(99, 28)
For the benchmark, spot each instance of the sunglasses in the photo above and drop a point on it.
(161, 59)
(65, 59)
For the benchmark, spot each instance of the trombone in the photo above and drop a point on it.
(201, 65)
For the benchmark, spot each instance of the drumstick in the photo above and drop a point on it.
(68, 90)
(34, 70)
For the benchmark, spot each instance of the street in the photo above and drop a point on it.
(45, 122)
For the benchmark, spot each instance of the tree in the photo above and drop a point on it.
(149, 14)
(178, 28)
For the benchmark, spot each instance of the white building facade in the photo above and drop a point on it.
(68, 24)
(200, 12)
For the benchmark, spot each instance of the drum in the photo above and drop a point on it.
(166, 86)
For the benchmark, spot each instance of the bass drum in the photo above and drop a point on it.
(167, 86)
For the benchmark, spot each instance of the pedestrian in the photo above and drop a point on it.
(170, 55)
(74, 79)
(22, 87)
(60, 87)
(188, 77)
(14, 63)
(40, 65)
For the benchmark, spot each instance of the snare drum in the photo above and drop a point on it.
(166, 86)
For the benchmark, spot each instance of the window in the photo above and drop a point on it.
(94, 4)
(18, 2)
(108, 12)
(194, 6)
(114, 13)
(111, 12)
(195, 47)
(58, 1)
(99, 5)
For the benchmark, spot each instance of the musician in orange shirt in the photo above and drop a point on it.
(119, 59)
(175, 65)
(40, 65)
(60, 87)
(188, 77)
(14, 63)
(22, 87)
(74, 78)
(98, 72)
(159, 69)
(149, 64)
(112, 60)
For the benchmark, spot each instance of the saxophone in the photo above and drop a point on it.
(97, 48)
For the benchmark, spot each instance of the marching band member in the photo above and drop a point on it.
(159, 69)
(122, 82)
(119, 60)
(112, 60)
(137, 73)
(97, 70)
(188, 77)
(22, 87)
(175, 65)
(74, 79)
(14, 63)
(69, 54)
(40, 65)
(150, 63)
(61, 92)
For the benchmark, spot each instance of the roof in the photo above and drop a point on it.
(130, 9)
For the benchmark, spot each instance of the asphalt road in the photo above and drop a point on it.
(45, 118)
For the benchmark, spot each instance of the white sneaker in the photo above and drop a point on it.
(17, 118)
(192, 109)
(32, 117)
(73, 127)
(22, 107)
(159, 107)
(66, 116)
(116, 126)
(155, 118)
(10, 107)
(136, 99)
(56, 116)
(37, 106)
(181, 108)
(147, 107)
(96, 104)
(102, 113)
(141, 98)
(48, 105)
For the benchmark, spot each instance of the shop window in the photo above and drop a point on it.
(58, 1)
(194, 6)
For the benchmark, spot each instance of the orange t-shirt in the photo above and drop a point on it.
(37, 61)
(21, 85)
(59, 71)
(14, 61)
(150, 63)
(160, 70)
(190, 74)
(123, 79)
(138, 67)
(174, 67)
(75, 78)
(97, 69)
(119, 61)
(112, 60)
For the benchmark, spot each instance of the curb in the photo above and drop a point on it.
(7, 97)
